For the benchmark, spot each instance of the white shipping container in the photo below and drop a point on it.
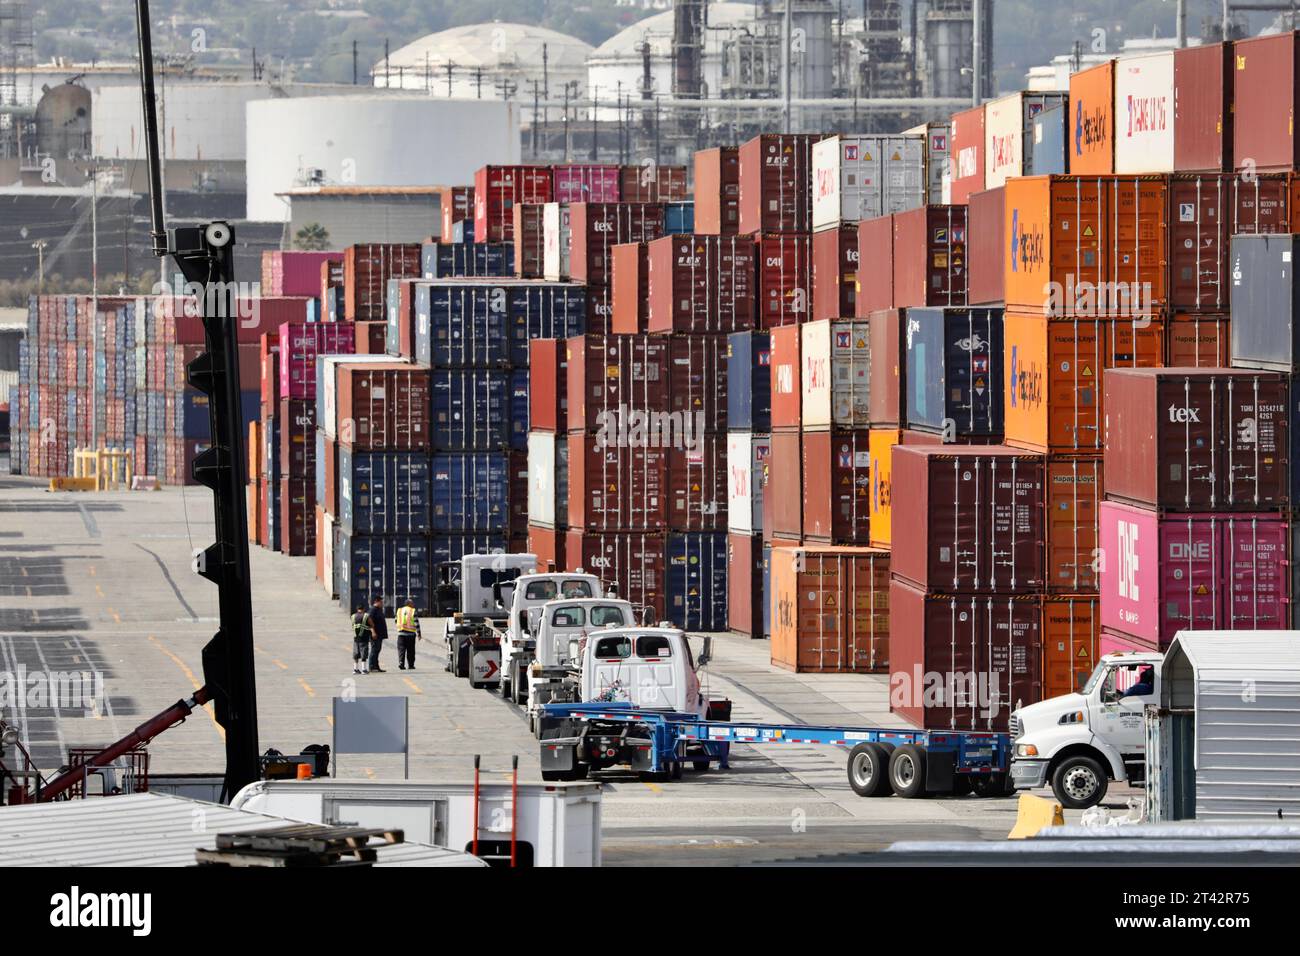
(747, 456)
(1008, 134)
(936, 138)
(1144, 114)
(836, 374)
(557, 237)
(330, 367)
(862, 177)
(542, 478)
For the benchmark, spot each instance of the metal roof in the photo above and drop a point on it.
(489, 45)
(152, 829)
(1271, 655)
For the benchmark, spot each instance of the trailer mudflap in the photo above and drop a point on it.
(940, 768)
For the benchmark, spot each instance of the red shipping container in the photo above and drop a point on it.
(962, 662)
(875, 288)
(697, 485)
(1197, 340)
(548, 397)
(613, 487)
(830, 609)
(585, 182)
(967, 154)
(297, 516)
(263, 518)
(497, 189)
(653, 182)
(975, 517)
(787, 381)
(1074, 486)
(987, 250)
(634, 561)
(366, 271)
(456, 204)
(784, 279)
(294, 273)
(300, 343)
(697, 382)
(330, 493)
(1203, 107)
(717, 191)
(611, 376)
(837, 486)
(1071, 629)
(548, 545)
(776, 183)
(384, 407)
(405, 319)
(298, 438)
(930, 256)
(370, 338)
(744, 577)
(598, 227)
(888, 367)
(835, 272)
(783, 487)
(700, 284)
(529, 239)
(629, 291)
(1264, 103)
(1197, 439)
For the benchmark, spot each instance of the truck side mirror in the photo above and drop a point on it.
(706, 654)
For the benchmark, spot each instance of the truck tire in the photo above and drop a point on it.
(504, 685)
(700, 766)
(992, 785)
(907, 771)
(519, 686)
(868, 770)
(1079, 782)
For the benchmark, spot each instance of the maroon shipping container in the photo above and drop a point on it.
(888, 367)
(456, 204)
(596, 227)
(497, 189)
(548, 396)
(930, 256)
(298, 438)
(776, 183)
(629, 288)
(652, 182)
(962, 662)
(405, 319)
(697, 381)
(700, 283)
(784, 487)
(330, 493)
(875, 287)
(784, 279)
(548, 545)
(745, 583)
(986, 259)
(966, 156)
(835, 272)
(787, 387)
(297, 516)
(614, 487)
(300, 343)
(294, 272)
(837, 486)
(585, 182)
(1203, 108)
(1199, 340)
(610, 376)
(1197, 439)
(1264, 103)
(384, 407)
(366, 271)
(697, 485)
(634, 561)
(974, 517)
(1207, 210)
(529, 239)
(717, 191)
(370, 338)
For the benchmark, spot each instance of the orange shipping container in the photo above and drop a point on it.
(1071, 629)
(1198, 341)
(880, 447)
(830, 609)
(255, 449)
(1055, 226)
(1138, 236)
(1092, 126)
(251, 499)
(1074, 488)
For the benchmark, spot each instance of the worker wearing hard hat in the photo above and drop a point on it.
(408, 630)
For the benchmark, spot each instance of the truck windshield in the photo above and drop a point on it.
(540, 591)
(1097, 674)
(603, 615)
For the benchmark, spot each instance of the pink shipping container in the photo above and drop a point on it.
(1112, 642)
(294, 272)
(300, 343)
(584, 182)
(1209, 571)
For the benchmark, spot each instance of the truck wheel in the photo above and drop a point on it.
(675, 770)
(869, 770)
(1079, 782)
(993, 785)
(519, 684)
(504, 685)
(907, 770)
(701, 766)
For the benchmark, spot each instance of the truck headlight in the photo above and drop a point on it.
(1073, 717)
(1026, 750)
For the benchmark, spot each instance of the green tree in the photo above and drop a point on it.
(312, 237)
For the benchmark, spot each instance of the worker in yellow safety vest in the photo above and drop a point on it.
(408, 630)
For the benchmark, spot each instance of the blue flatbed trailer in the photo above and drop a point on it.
(578, 738)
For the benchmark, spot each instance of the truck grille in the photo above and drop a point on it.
(1015, 728)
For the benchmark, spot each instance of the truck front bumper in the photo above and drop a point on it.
(1028, 774)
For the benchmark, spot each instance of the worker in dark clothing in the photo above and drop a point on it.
(378, 633)
(361, 641)
(408, 629)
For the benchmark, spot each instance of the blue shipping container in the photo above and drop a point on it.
(452, 260)
(749, 382)
(394, 567)
(453, 547)
(519, 409)
(697, 580)
(471, 409)
(319, 480)
(554, 310)
(460, 325)
(679, 218)
(462, 231)
(383, 492)
(471, 492)
(767, 590)
(194, 413)
(1046, 152)
(954, 371)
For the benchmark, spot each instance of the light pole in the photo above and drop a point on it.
(39, 246)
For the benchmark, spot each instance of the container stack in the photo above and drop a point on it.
(749, 450)
(548, 452)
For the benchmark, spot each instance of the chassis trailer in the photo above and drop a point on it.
(578, 738)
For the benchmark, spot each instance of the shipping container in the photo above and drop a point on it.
(585, 182)
(966, 162)
(548, 545)
(496, 191)
(557, 241)
(1203, 107)
(467, 259)
(697, 484)
(366, 271)
(776, 183)
(880, 445)
(471, 491)
(834, 272)
(1198, 340)
(700, 284)
(936, 138)
(327, 376)
(1071, 631)
(837, 486)
(747, 460)
(629, 290)
(1206, 571)
(1009, 144)
(384, 492)
(299, 346)
(874, 289)
(383, 407)
(1264, 103)
(653, 183)
(864, 176)
(370, 338)
(1056, 227)
(1092, 100)
(1144, 113)
(786, 377)
(831, 609)
(696, 580)
(929, 257)
(679, 218)
(598, 227)
(297, 516)
(614, 486)
(529, 244)
(1265, 303)
(609, 377)
(888, 375)
(391, 567)
(548, 396)
(835, 374)
(697, 384)
(471, 409)
(963, 662)
(986, 262)
(294, 272)
(1074, 490)
(749, 381)
(745, 592)
(975, 517)
(634, 562)
(954, 371)
(717, 191)
(784, 285)
(783, 487)
(461, 325)
(1049, 133)
(456, 206)
(297, 438)
(1198, 439)
(548, 480)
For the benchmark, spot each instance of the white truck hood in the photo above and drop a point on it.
(1046, 713)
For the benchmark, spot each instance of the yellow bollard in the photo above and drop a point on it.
(1033, 814)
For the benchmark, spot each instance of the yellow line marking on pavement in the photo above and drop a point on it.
(117, 618)
(370, 773)
(279, 663)
(306, 687)
(460, 729)
(99, 590)
(655, 788)
(323, 637)
(330, 718)
(189, 674)
(92, 570)
(413, 685)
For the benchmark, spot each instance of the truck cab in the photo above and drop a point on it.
(469, 594)
(518, 641)
(561, 630)
(1077, 743)
(649, 667)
